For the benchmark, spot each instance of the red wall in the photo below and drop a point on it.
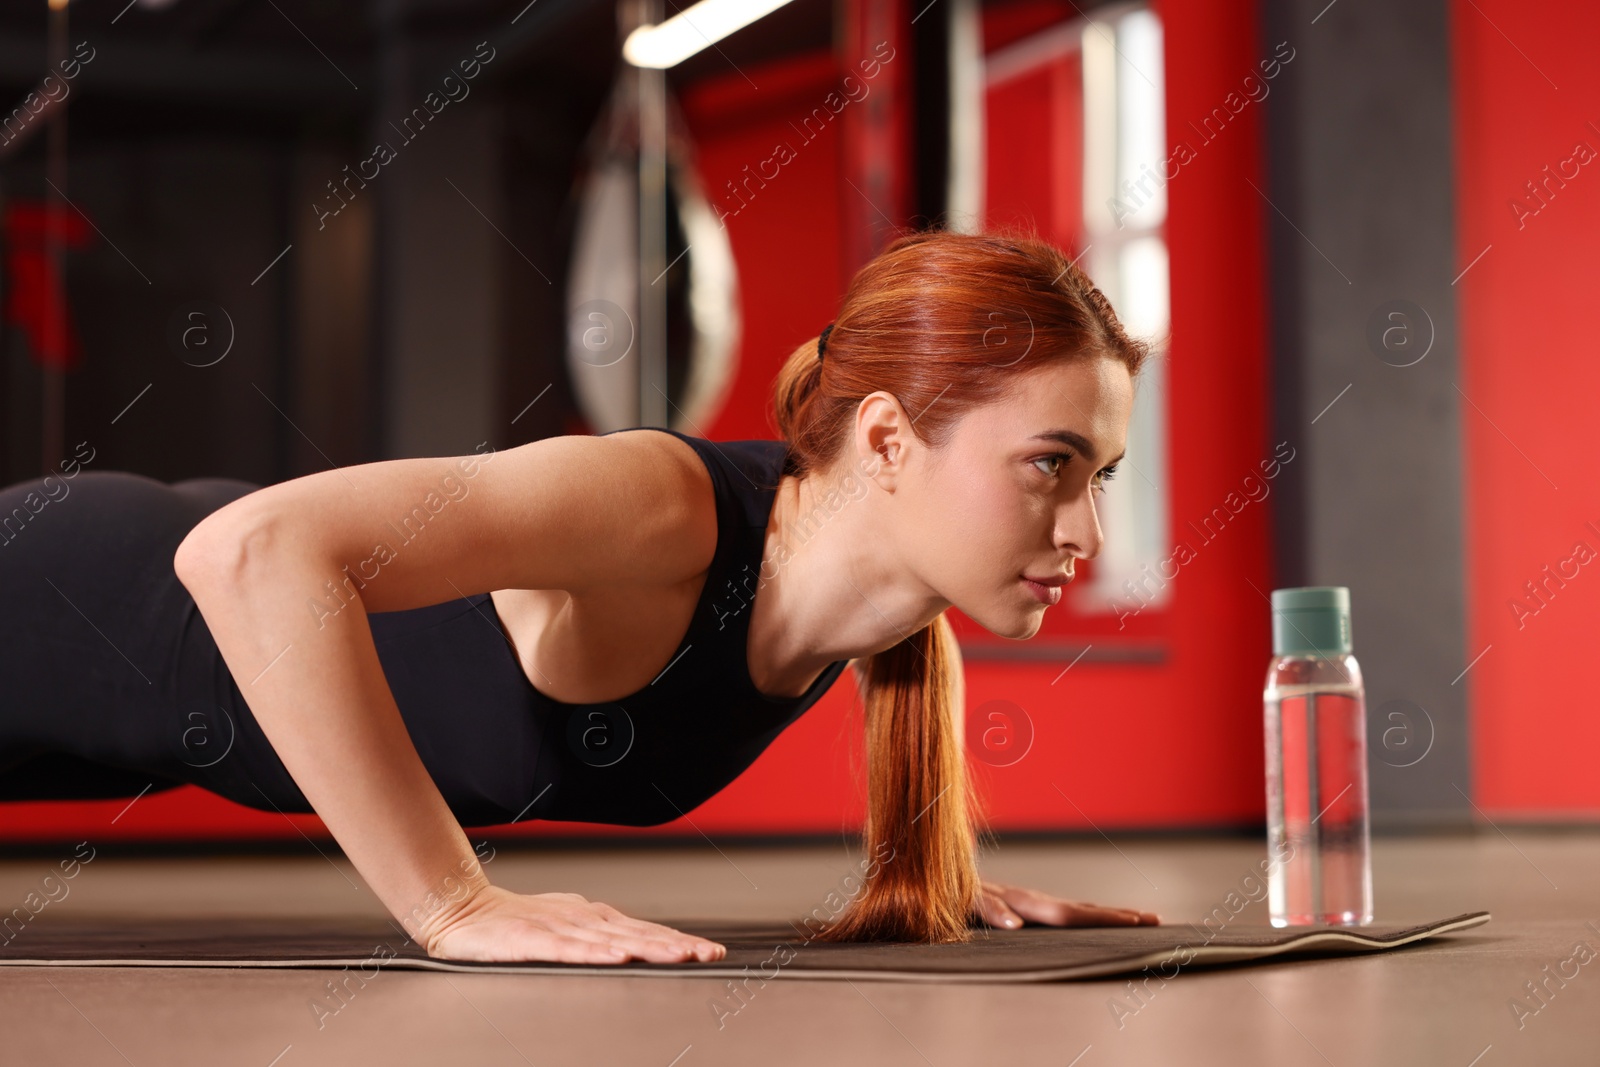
(1530, 379)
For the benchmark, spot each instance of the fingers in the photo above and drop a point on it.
(564, 928)
(1080, 913)
(1094, 915)
(640, 940)
(564, 942)
(525, 942)
(698, 947)
(994, 910)
(999, 902)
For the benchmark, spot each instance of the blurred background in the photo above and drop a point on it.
(261, 239)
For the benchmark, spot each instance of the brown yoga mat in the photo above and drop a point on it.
(756, 950)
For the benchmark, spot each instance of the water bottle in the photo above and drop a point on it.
(1319, 868)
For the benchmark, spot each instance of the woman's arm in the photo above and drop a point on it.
(560, 513)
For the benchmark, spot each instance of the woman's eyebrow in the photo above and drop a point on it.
(1076, 440)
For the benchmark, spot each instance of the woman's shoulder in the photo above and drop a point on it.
(746, 472)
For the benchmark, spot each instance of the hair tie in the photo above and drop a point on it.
(822, 341)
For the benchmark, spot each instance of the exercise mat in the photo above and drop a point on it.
(756, 950)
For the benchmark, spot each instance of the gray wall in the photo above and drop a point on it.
(1361, 216)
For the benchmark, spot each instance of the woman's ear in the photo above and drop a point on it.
(881, 428)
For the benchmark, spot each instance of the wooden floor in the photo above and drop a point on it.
(1448, 1002)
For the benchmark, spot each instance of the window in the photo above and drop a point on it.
(1074, 128)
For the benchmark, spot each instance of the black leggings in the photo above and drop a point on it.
(94, 701)
(111, 684)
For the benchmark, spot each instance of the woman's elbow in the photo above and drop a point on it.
(224, 548)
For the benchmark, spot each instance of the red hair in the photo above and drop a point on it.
(953, 318)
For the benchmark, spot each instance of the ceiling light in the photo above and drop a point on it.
(693, 28)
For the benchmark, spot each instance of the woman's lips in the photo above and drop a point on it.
(1046, 594)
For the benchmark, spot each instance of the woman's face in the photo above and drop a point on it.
(1012, 494)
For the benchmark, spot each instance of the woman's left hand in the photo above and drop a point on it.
(1009, 906)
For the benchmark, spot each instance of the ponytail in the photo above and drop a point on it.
(919, 827)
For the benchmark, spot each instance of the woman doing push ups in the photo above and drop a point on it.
(604, 628)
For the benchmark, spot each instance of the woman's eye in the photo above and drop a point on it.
(1100, 479)
(1057, 457)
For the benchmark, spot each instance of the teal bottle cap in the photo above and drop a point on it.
(1311, 621)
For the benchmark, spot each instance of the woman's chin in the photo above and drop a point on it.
(1014, 627)
(1034, 621)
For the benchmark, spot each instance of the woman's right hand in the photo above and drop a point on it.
(497, 925)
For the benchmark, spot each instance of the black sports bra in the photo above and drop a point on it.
(500, 751)
(653, 756)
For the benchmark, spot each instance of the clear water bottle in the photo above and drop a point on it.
(1318, 839)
